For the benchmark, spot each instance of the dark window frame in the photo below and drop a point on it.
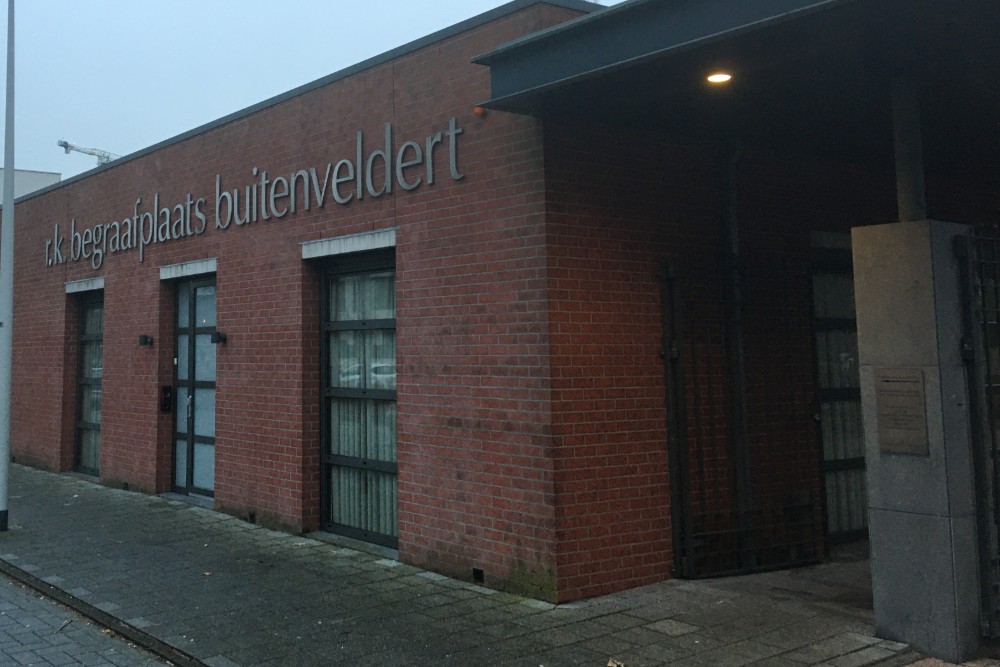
(85, 302)
(192, 331)
(354, 263)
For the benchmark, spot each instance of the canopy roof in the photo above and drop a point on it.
(813, 72)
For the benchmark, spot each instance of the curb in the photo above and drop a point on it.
(129, 632)
(907, 657)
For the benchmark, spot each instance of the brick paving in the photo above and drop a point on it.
(228, 593)
(34, 630)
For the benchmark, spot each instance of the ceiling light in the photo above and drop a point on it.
(719, 77)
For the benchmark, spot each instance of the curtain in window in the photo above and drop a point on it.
(91, 371)
(362, 356)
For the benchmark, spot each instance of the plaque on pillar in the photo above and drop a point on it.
(901, 411)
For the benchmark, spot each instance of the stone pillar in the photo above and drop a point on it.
(917, 445)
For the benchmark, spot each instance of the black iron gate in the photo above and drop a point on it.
(738, 505)
(979, 262)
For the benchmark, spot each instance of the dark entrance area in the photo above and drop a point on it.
(836, 107)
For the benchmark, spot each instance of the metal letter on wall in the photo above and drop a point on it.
(901, 411)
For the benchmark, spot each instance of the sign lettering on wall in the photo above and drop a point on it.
(371, 172)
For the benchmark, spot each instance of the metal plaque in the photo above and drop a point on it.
(901, 411)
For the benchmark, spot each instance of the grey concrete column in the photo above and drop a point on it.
(917, 445)
(911, 198)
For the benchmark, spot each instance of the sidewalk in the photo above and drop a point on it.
(36, 631)
(227, 593)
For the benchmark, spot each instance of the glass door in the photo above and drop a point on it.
(194, 436)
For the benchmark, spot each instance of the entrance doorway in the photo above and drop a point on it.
(89, 374)
(838, 393)
(194, 434)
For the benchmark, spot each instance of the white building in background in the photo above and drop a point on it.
(26, 180)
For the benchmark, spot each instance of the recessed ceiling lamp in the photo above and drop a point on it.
(718, 78)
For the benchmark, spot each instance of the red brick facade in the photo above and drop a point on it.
(532, 416)
(475, 481)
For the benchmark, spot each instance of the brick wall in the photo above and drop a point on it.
(474, 439)
(617, 208)
(474, 396)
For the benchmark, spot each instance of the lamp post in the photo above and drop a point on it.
(7, 275)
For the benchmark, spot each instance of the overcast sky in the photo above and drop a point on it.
(120, 75)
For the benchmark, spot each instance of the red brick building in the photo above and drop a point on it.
(581, 338)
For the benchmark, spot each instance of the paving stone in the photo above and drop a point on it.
(279, 599)
(800, 634)
(721, 658)
(52, 635)
(610, 644)
(673, 628)
(220, 661)
(692, 643)
(777, 661)
(867, 656)
(831, 648)
(753, 649)
(654, 654)
(538, 604)
(56, 656)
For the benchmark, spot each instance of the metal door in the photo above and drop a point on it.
(194, 435)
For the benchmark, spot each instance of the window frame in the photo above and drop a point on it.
(85, 302)
(355, 263)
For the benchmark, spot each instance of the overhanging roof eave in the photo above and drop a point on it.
(625, 35)
(549, 33)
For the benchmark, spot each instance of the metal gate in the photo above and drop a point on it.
(979, 262)
(736, 506)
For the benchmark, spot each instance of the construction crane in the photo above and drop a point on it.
(103, 157)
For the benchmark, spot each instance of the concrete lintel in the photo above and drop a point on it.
(341, 245)
(85, 285)
(196, 268)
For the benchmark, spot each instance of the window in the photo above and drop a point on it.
(359, 398)
(89, 373)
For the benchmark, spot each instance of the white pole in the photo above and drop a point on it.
(7, 275)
